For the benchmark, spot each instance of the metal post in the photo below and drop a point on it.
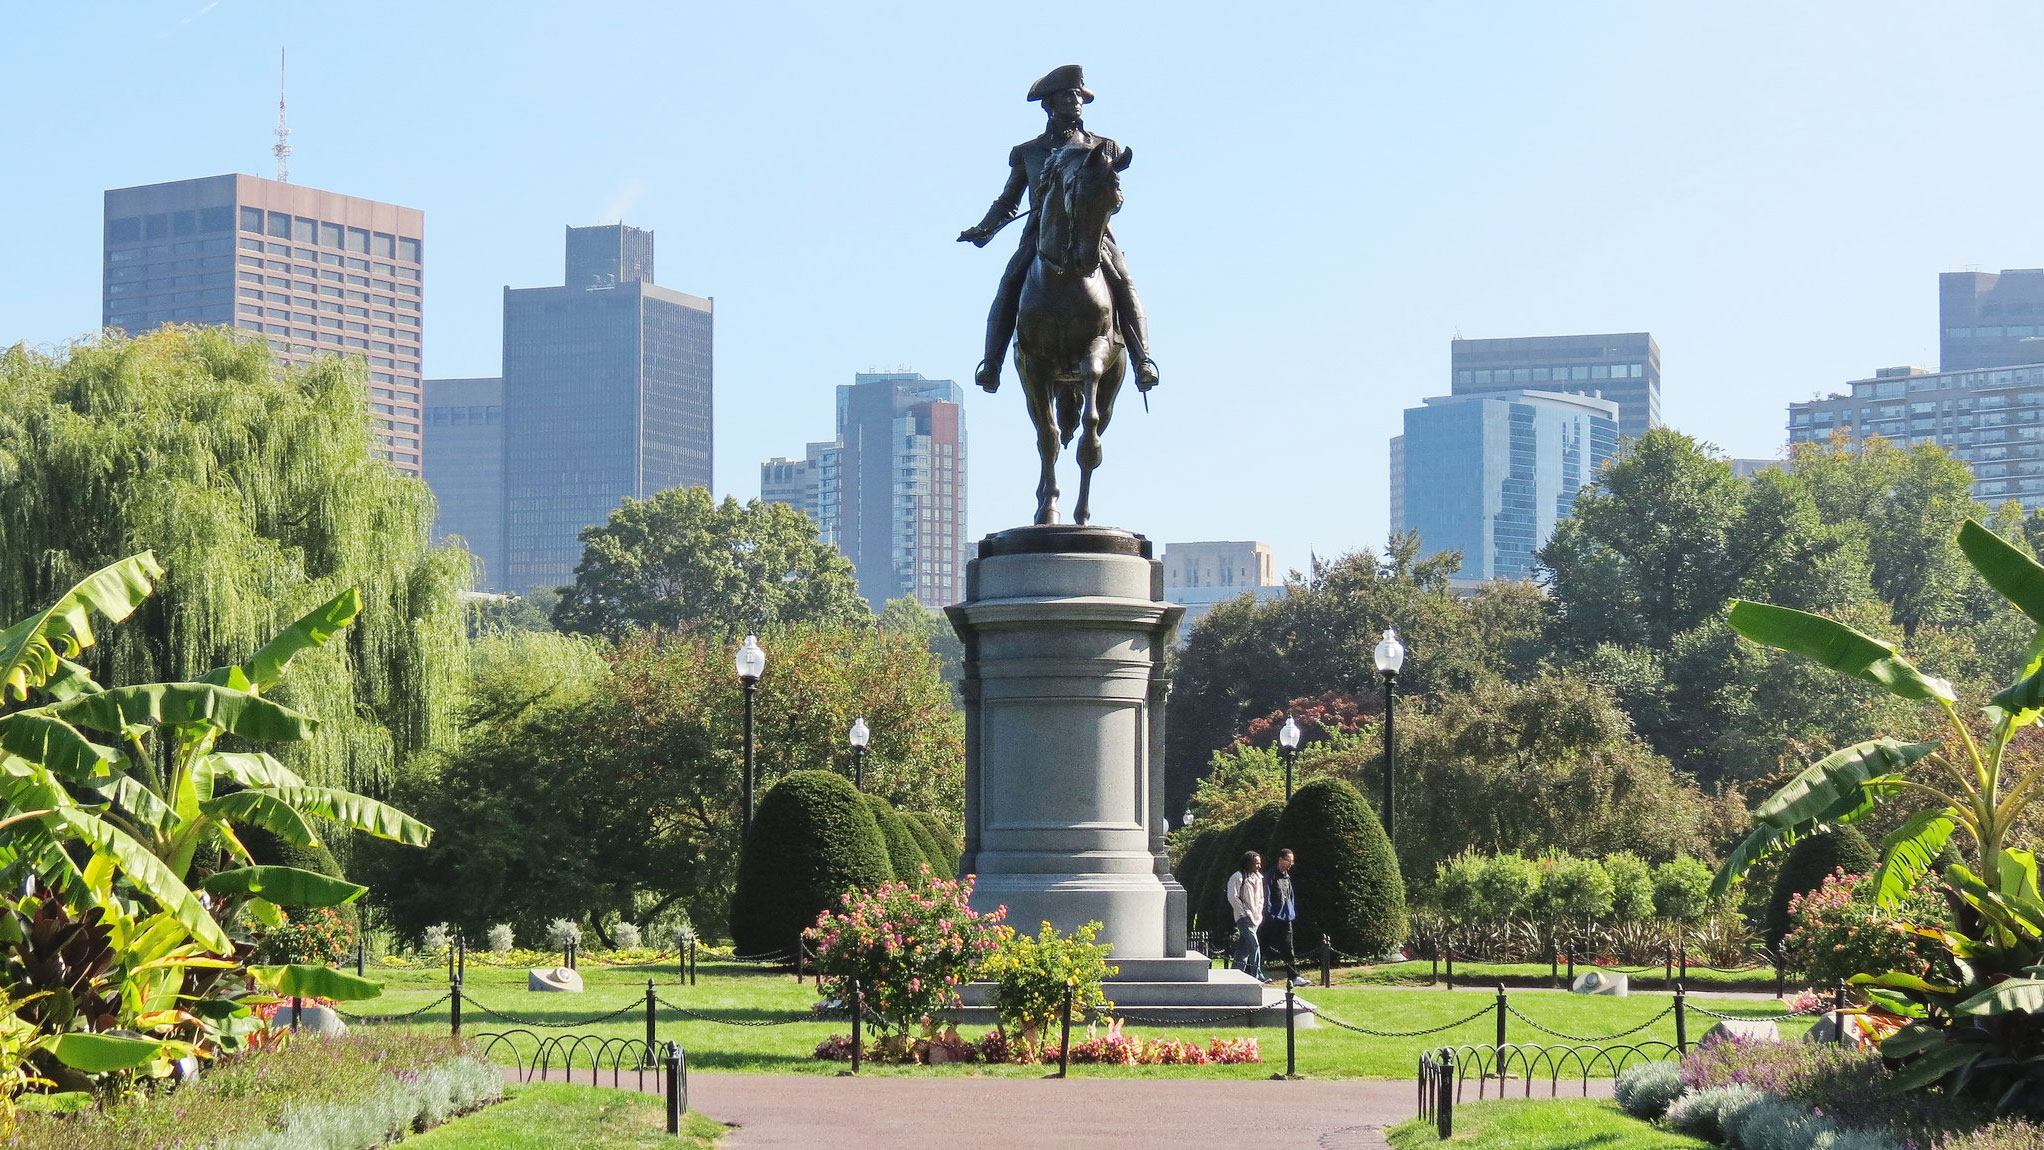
(801, 948)
(858, 1012)
(1064, 1041)
(1451, 966)
(1434, 975)
(1326, 961)
(1667, 963)
(1681, 1021)
(1289, 754)
(1683, 960)
(1838, 1012)
(295, 1007)
(691, 962)
(1390, 757)
(1291, 1035)
(1554, 965)
(858, 768)
(649, 1023)
(1781, 970)
(454, 1007)
(751, 688)
(461, 958)
(1501, 1030)
(1444, 1106)
(1571, 965)
(361, 949)
(676, 1090)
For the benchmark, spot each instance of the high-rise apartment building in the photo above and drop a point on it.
(897, 508)
(810, 485)
(465, 468)
(1624, 368)
(607, 395)
(1990, 319)
(1490, 475)
(316, 273)
(1992, 418)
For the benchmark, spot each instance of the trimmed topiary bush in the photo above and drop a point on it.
(1346, 878)
(1704, 1113)
(1808, 864)
(943, 863)
(813, 838)
(904, 856)
(1647, 1090)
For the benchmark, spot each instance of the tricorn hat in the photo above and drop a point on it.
(1059, 79)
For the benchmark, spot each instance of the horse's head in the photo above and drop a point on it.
(1084, 191)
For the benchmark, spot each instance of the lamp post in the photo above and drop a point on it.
(1288, 738)
(859, 735)
(1390, 656)
(751, 663)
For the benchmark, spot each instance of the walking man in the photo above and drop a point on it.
(1280, 912)
(1245, 899)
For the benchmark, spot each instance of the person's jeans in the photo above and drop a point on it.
(1277, 939)
(1248, 955)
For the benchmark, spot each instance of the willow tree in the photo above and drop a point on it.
(256, 487)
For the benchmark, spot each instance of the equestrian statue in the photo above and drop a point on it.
(1065, 297)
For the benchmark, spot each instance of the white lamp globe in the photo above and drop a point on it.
(1390, 652)
(860, 733)
(751, 659)
(1288, 735)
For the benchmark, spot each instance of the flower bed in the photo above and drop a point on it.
(1111, 1047)
(357, 1090)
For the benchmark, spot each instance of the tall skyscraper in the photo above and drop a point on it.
(607, 395)
(314, 272)
(1624, 368)
(810, 485)
(465, 468)
(898, 507)
(1490, 475)
(1990, 319)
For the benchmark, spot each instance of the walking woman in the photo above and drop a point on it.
(1245, 899)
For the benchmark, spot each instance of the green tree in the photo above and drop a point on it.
(678, 559)
(1347, 878)
(259, 490)
(814, 839)
(906, 616)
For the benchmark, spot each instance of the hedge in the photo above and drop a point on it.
(904, 855)
(813, 838)
(1346, 878)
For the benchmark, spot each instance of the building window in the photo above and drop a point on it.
(280, 225)
(358, 241)
(251, 219)
(408, 250)
(124, 231)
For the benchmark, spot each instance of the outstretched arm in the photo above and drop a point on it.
(1004, 209)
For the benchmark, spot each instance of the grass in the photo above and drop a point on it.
(1542, 1124)
(545, 1115)
(1416, 973)
(734, 991)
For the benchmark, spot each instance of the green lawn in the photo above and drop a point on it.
(1542, 1124)
(737, 992)
(545, 1115)
(1541, 974)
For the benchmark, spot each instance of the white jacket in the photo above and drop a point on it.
(1245, 897)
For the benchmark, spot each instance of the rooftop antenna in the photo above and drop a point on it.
(282, 149)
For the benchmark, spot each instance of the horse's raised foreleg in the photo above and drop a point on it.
(1045, 419)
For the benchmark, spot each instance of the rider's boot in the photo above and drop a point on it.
(1146, 373)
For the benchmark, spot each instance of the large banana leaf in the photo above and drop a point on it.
(250, 769)
(286, 886)
(1837, 788)
(2016, 913)
(1836, 646)
(31, 650)
(182, 704)
(149, 875)
(2005, 567)
(265, 810)
(44, 739)
(101, 1053)
(363, 814)
(302, 980)
(1908, 852)
(313, 630)
(2011, 996)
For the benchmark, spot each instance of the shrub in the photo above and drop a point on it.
(500, 940)
(1347, 879)
(1032, 974)
(910, 948)
(625, 936)
(1826, 1078)
(1632, 887)
(1808, 864)
(1647, 1090)
(2009, 1134)
(437, 938)
(562, 932)
(1840, 932)
(1703, 1113)
(1458, 888)
(1682, 890)
(318, 936)
(813, 839)
(1506, 884)
(904, 857)
(943, 862)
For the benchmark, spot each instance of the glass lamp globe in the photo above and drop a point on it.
(860, 733)
(1288, 735)
(1390, 652)
(751, 659)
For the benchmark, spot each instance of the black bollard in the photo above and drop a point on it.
(801, 950)
(1451, 967)
(1682, 966)
(1781, 970)
(1838, 1011)
(1326, 961)
(677, 1089)
(1064, 1042)
(360, 948)
(295, 1005)
(1434, 975)
(1501, 1031)
(1291, 1035)
(1668, 964)
(1554, 966)
(1681, 1022)
(1571, 967)
(1444, 1105)
(649, 1022)
(454, 1007)
(692, 965)
(858, 1012)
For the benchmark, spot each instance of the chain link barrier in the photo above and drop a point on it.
(1817, 1008)
(835, 1014)
(637, 1006)
(1333, 1021)
(1143, 1020)
(380, 1019)
(1520, 1015)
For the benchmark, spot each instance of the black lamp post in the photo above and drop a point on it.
(1390, 655)
(859, 735)
(1288, 738)
(751, 663)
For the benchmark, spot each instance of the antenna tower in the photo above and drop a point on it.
(282, 148)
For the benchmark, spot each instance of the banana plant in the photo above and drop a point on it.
(1977, 1024)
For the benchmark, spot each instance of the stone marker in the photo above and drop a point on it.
(312, 1019)
(554, 978)
(1745, 1030)
(1602, 982)
(1827, 1027)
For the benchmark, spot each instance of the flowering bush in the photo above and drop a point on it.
(1032, 975)
(909, 947)
(1840, 932)
(317, 936)
(1115, 1047)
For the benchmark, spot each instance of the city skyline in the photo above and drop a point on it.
(1694, 200)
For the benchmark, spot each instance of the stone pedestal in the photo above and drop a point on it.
(1065, 632)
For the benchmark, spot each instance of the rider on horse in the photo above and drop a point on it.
(1064, 95)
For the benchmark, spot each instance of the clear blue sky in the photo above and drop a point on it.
(1322, 197)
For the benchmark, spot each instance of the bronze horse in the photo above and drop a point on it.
(1068, 347)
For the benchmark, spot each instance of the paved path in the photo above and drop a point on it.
(808, 1112)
